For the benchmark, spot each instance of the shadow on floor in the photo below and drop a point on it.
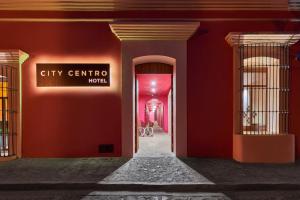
(222, 171)
(62, 170)
(146, 169)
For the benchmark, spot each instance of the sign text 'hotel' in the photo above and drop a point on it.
(55, 75)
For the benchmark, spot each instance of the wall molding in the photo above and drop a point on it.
(121, 5)
(244, 38)
(154, 30)
(110, 20)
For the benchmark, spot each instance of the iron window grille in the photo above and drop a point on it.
(264, 88)
(8, 110)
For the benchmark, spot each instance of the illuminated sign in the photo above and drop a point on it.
(59, 75)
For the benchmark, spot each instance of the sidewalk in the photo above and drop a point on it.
(147, 174)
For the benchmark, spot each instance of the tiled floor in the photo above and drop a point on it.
(157, 146)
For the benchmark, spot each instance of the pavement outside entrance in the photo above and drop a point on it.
(151, 177)
(118, 195)
(94, 170)
(155, 170)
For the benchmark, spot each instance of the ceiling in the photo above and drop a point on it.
(121, 5)
(162, 86)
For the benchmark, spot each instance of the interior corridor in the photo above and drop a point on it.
(154, 115)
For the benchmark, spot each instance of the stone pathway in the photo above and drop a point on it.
(155, 164)
(154, 196)
(101, 195)
(169, 170)
(155, 170)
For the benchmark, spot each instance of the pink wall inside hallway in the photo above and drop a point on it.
(142, 102)
(162, 87)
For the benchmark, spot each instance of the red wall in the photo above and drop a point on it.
(209, 87)
(66, 124)
(74, 124)
(294, 123)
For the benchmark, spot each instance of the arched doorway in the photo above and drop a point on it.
(154, 109)
(172, 53)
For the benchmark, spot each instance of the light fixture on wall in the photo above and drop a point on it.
(153, 83)
(153, 90)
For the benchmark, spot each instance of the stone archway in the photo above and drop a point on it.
(168, 52)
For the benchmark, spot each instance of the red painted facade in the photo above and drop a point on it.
(73, 124)
(210, 99)
(66, 124)
(294, 124)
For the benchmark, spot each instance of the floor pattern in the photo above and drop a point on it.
(155, 170)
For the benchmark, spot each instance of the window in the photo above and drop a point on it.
(8, 110)
(264, 81)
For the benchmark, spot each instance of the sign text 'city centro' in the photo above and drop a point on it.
(55, 75)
